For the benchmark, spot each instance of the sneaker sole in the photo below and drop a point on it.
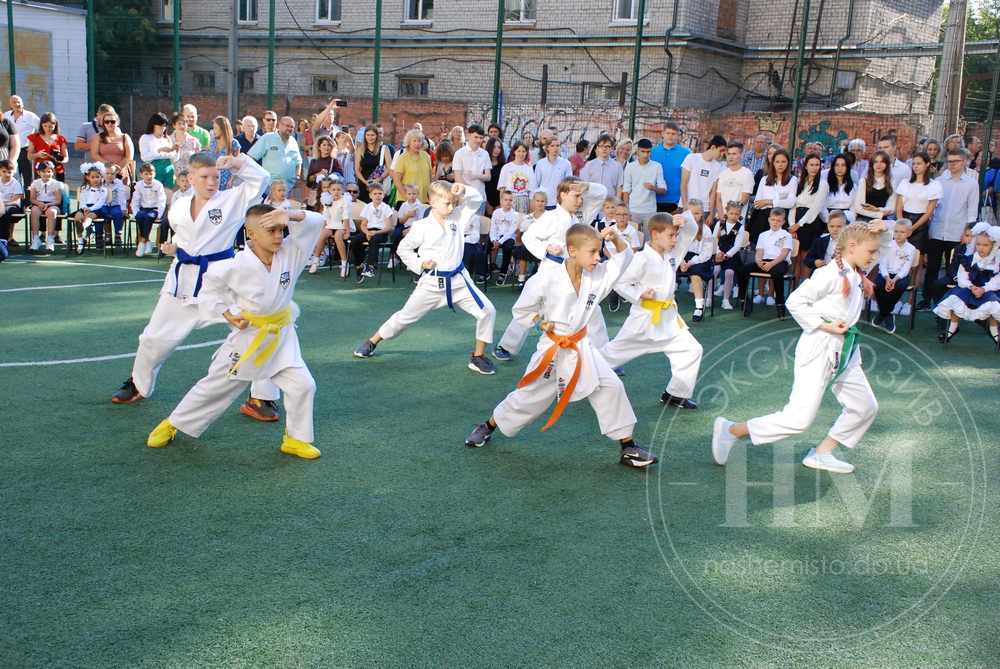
(473, 444)
(363, 357)
(134, 399)
(507, 359)
(476, 369)
(636, 464)
(255, 415)
(816, 464)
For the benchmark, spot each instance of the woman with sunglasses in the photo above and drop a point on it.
(112, 145)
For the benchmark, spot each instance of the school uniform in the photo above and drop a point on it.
(93, 200)
(700, 253)
(245, 287)
(9, 191)
(449, 282)
(49, 192)
(550, 230)
(114, 210)
(503, 230)
(895, 264)
(655, 326)
(823, 249)
(950, 275)
(974, 270)
(377, 220)
(916, 198)
(337, 213)
(773, 243)
(817, 356)
(149, 202)
(878, 196)
(841, 200)
(521, 252)
(808, 213)
(730, 240)
(201, 241)
(551, 294)
(782, 195)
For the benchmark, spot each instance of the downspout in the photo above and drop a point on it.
(670, 56)
(840, 45)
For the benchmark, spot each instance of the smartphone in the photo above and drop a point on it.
(341, 103)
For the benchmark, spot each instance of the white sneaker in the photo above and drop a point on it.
(36, 243)
(758, 299)
(140, 249)
(719, 291)
(826, 462)
(313, 266)
(726, 305)
(722, 440)
(736, 292)
(393, 262)
(770, 301)
(50, 244)
(905, 311)
(895, 309)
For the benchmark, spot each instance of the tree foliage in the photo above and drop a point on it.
(983, 24)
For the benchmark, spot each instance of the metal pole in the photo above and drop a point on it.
(177, 54)
(498, 52)
(10, 46)
(270, 61)
(234, 65)
(983, 163)
(378, 59)
(91, 59)
(635, 66)
(798, 80)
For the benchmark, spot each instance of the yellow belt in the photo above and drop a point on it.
(656, 306)
(266, 324)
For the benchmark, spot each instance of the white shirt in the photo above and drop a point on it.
(815, 202)
(178, 194)
(150, 196)
(47, 191)
(119, 194)
(842, 200)
(503, 225)
(781, 195)
(10, 190)
(406, 208)
(898, 260)
(609, 173)
(703, 174)
(774, 243)
(27, 124)
(550, 229)
(526, 222)
(156, 148)
(337, 214)
(703, 249)
(92, 198)
(378, 218)
(917, 195)
(549, 175)
(518, 179)
(641, 200)
(861, 197)
(629, 234)
(900, 172)
(478, 161)
(732, 184)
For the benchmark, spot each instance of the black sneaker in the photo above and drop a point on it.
(890, 323)
(479, 436)
(365, 350)
(682, 402)
(480, 363)
(359, 275)
(616, 302)
(924, 305)
(636, 456)
(501, 279)
(118, 241)
(264, 410)
(127, 394)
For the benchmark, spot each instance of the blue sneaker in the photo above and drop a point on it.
(890, 323)
(500, 353)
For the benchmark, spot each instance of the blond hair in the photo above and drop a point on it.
(441, 189)
(857, 233)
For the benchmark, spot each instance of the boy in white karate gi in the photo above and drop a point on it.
(434, 248)
(253, 293)
(204, 227)
(653, 324)
(566, 365)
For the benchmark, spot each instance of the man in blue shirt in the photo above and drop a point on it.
(278, 153)
(670, 155)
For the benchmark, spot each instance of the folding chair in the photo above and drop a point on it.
(789, 278)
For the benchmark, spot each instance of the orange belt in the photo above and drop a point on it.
(559, 341)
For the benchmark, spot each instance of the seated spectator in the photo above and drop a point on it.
(45, 197)
(48, 144)
(377, 219)
(113, 146)
(12, 196)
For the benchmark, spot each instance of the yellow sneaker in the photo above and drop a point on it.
(162, 435)
(299, 448)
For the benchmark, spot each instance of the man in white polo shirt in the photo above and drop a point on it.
(26, 123)
(472, 163)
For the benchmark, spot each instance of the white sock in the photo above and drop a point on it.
(953, 326)
(699, 303)
(993, 330)
(520, 277)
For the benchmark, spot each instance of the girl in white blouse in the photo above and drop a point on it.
(806, 221)
(874, 197)
(841, 186)
(777, 189)
(917, 199)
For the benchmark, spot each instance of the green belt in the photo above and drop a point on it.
(852, 342)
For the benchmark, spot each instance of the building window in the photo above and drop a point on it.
(601, 92)
(419, 10)
(248, 11)
(520, 11)
(204, 81)
(725, 24)
(328, 10)
(164, 83)
(167, 11)
(414, 88)
(246, 79)
(324, 85)
(625, 11)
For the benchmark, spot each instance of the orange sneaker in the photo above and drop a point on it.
(264, 410)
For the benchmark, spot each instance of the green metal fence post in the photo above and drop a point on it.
(10, 47)
(378, 59)
(798, 80)
(635, 66)
(498, 53)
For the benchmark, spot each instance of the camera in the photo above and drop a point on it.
(341, 103)
(57, 155)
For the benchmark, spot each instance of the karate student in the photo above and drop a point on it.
(566, 364)
(434, 248)
(204, 229)
(827, 305)
(654, 324)
(259, 282)
(576, 202)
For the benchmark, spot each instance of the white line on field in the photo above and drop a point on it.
(67, 263)
(80, 285)
(101, 358)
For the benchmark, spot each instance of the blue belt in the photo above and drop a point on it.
(553, 258)
(447, 284)
(184, 258)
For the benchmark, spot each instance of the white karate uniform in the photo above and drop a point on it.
(243, 284)
(671, 336)
(550, 230)
(175, 317)
(552, 296)
(428, 240)
(816, 357)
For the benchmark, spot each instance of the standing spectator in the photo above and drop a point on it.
(579, 159)
(270, 123)
(670, 155)
(48, 144)
(530, 142)
(444, 159)
(754, 160)
(494, 130)
(778, 189)
(278, 153)
(974, 146)
(26, 123)
(91, 129)
(543, 139)
(494, 148)
(552, 169)
(159, 150)
(223, 144)
(643, 182)
(326, 123)
(699, 172)
(601, 169)
(918, 197)
(735, 184)
(456, 137)
(900, 170)
(362, 128)
(841, 185)
(958, 207)
(112, 145)
(517, 178)
(187, 145)
(412, 165)
(874, 197)
(933, 149)
(860, 167)
(323, 165)
(343, 151)
(372, 164)
(472, 164)
(248, 137)
(381, 136)
(191, 116)
(623, 151)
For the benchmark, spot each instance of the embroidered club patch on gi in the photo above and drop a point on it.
(234, 358)
(590, 300)
(673, 263)
(215, 216)
(548, 371)
(284, 279)
(453, 226)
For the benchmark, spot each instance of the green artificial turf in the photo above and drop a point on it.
(401, 547)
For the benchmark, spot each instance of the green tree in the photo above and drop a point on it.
(984, 24)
